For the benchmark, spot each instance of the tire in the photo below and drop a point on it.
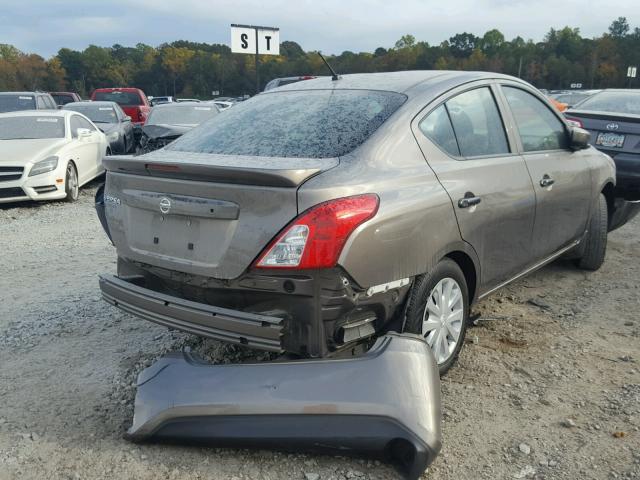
(595, 241)
(71, 185)
(421, 307)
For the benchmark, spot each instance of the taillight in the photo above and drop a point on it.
(574, 122)
(316, 237)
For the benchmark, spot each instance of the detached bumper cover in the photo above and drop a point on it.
(254, 330)
(385, 403)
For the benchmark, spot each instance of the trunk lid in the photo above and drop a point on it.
(202, 214)
(625, 127)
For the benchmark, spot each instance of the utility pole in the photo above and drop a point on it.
(257, 61)
(520, 67)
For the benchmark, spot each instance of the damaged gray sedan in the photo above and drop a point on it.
(314, 217)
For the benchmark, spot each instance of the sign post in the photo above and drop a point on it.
(255, 40)
(631, 73)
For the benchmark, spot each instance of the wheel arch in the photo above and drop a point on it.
(608, 190)
(72, 162)
(466, 259)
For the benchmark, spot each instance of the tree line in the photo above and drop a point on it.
(192, 69)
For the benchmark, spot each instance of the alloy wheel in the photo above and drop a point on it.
(72, 181)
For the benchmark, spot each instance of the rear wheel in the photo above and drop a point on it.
(595, 242)
(71, 185)
(439, 311)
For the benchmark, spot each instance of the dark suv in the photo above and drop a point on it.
(62, 98)
(15, 101)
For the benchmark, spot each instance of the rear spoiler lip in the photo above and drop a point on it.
(597, 115)
(267, 177)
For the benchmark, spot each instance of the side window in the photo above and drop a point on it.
(477, 123)
(437, 128)
(84, 123)
(50, 102)
(74, 124)
(40, 105)
(539, 128)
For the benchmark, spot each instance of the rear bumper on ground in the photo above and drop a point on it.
(385, 403)
(253, 330)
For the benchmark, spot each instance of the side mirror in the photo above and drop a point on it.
(83, 133)
(579, 138)
(126, 119)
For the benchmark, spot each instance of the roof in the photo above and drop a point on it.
(400, 82)
(23, 93)
(96, 103)
(179, 105)
(38, 113)
(123, 89)
(621, 90)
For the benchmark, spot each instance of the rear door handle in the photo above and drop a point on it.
(547, 181)
(469, 200)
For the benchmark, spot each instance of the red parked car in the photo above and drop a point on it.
(132, 100)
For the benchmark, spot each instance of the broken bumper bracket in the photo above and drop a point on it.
(385, 403)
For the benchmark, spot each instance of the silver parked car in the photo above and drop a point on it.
(111, 120)
(312, 218)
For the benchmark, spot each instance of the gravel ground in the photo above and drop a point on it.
(548, 385)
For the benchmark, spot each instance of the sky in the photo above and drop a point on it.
(332, 26)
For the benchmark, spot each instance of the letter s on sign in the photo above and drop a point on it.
(244, 38)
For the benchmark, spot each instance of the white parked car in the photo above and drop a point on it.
(48, 155)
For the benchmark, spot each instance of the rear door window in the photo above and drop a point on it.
(307, 123)
(437, 128)
(477, 123)
(538, 126)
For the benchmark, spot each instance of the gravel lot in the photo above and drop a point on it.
(548, 385)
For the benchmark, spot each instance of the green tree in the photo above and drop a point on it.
(462, 44)
(406, 41)
(176, 61)
(491, 42)
(619, 27)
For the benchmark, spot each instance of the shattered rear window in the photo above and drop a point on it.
(309, 123)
